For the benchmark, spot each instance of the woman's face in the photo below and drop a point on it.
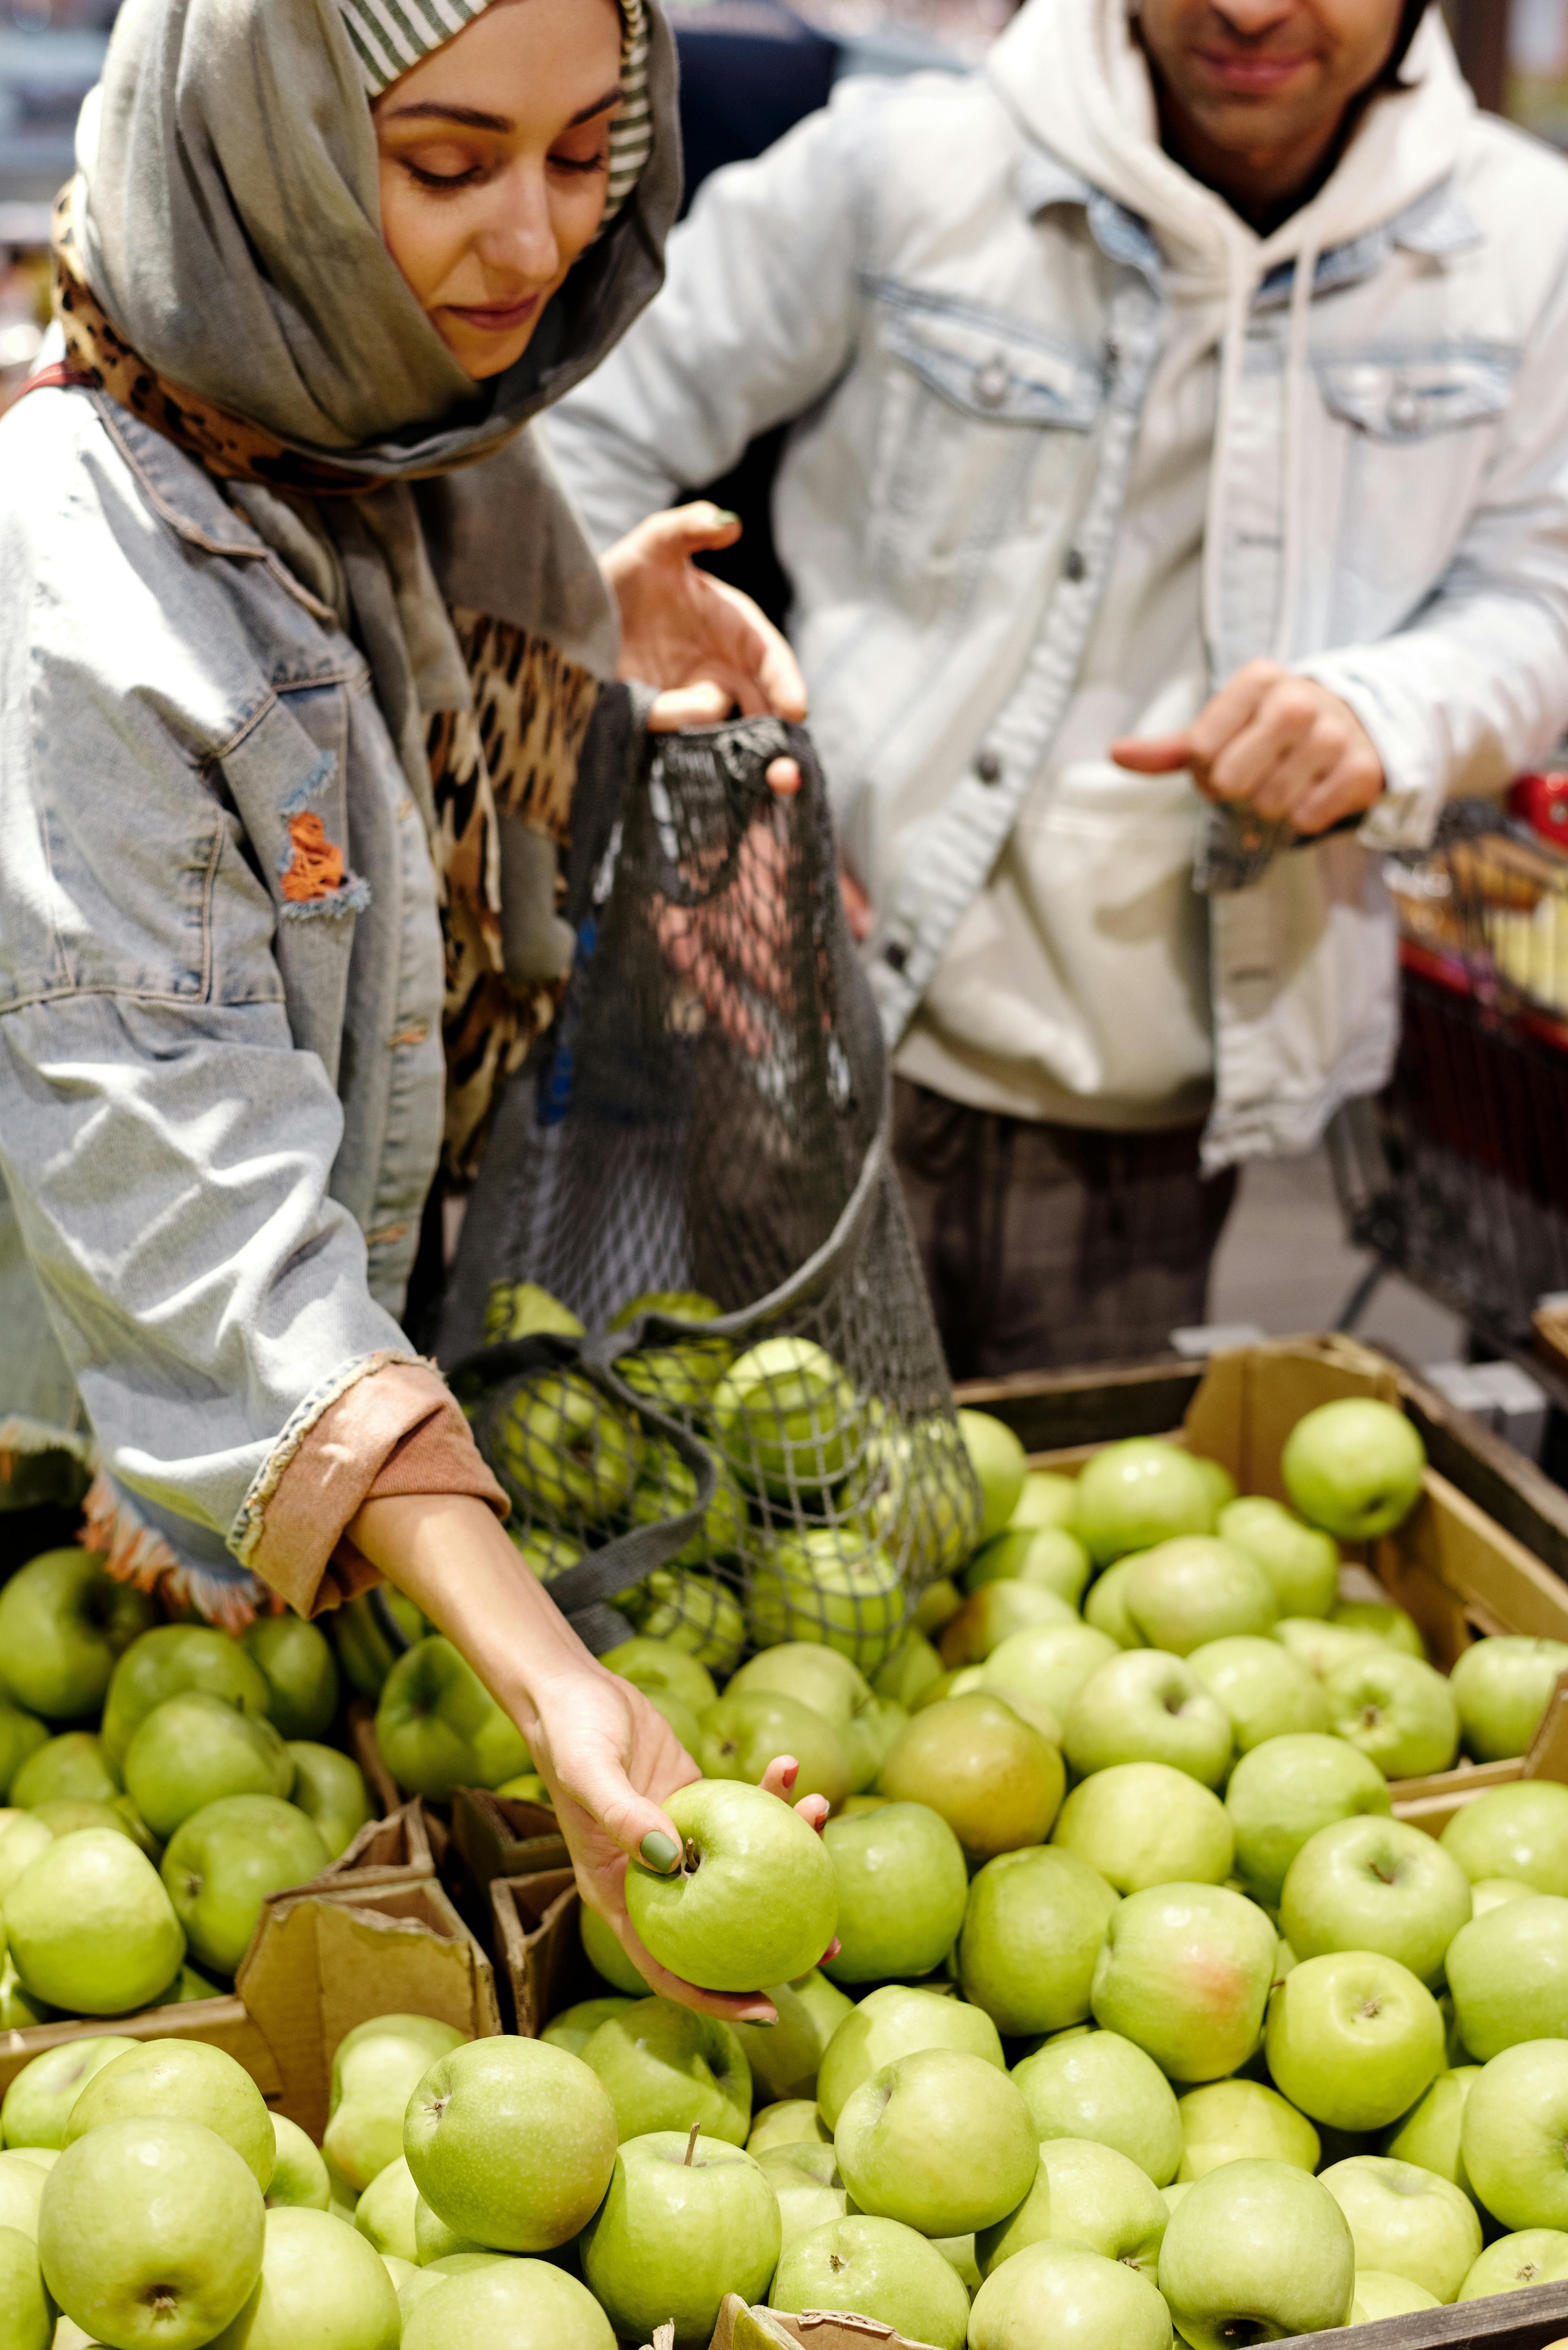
(494, 157)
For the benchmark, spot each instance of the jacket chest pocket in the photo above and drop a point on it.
(983, 431)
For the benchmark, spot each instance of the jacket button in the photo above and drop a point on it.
(895, 954)
(990, 383)
(1075, 565)
(1404, 412)
(988, 767)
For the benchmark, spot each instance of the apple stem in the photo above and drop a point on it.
(691, 2143)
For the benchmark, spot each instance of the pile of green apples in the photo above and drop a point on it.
(157, 1782)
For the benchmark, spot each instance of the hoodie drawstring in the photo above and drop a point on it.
(1296, 521)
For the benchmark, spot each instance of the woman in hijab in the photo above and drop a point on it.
(301, 649)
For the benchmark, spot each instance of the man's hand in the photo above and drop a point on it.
(706, 646)
(1285, 745)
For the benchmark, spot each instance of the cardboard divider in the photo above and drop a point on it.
(366, 1750)
(224, 2024)
(497, 1835)
(540, 1964)
(740, 2328)
(390, 1851)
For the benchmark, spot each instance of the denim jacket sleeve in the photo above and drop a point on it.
(166, 1146)
(756, 318)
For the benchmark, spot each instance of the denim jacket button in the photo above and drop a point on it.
(1074, 564)
(988, 767)
(990, 384)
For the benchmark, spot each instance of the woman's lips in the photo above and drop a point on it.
(1257, 75)
(495, 317)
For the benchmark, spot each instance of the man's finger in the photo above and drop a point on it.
(689, 705)
(784, 777)
(1161, 754)
(684, 530)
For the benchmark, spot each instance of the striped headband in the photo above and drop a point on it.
(389, 37)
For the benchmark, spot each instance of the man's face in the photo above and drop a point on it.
(1257, 79)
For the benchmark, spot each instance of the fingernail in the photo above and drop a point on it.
(727, 513)
(659, 1851)
(767, 2020)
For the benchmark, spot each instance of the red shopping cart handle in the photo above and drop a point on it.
(1542, 803)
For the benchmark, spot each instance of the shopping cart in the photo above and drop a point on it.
(1455, 1176)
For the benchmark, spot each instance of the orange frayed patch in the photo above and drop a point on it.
(316, 869)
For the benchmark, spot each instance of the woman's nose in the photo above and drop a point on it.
(519, 235)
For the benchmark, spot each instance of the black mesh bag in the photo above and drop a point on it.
(696, 1344)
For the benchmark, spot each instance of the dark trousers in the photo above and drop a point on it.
(1045, 1246)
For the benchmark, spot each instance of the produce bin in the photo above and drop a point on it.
(1531, 2319)
(540, 1964)
(740, 2328)
(497, 1835)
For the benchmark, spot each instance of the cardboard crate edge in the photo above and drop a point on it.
(1528, 2319)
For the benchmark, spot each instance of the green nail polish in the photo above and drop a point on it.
(659, 1851)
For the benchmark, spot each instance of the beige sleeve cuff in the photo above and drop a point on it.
(400, 1431)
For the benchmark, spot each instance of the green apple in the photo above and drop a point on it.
(224, 1862)
(21, 1734)
(1058, 2293)
(940, 2141)
(1185, 1593)
(1138, 1493)
(67, 1813)
(20, 1844)
(793, 2122)
(159, 1664)
(512, 2143)
(829, 1585)
(741, 1733)
(320, 2283)
(670, 2068)
(1376, 1885)
(1217, 1478)
(66, 1769)
(1242, 2121)
(576, 2027)
(691, 1612)
(805, 2178)
(438, 1728)
(1284, 1791)
(376, 2069)
(679, 1377)
(1046, 1499)
(668, 1488)
(1105, 1610)
(606, 1955)
(1509, 1975)
(521, 2304)
(90, 1927)
(1429, 2134)
(1144, 1707)
(27, 2314)
(180, 2080)
(519, 1309)
(1096, 2084)
(1353, 2039)
(1392, 1626)
(1084, 2193)
(889, 2023)
(1256, 2250)
(17, 2012)
(1381, 2295)
(1502, 1687)
(1048, 1557)
(1519, 1831)
(1265, 1692)
(992, 1777)
(753, 1900)
(1532, 2256)
(818, 1678)
(1398, 1710)
(22, 2181)
(1033, 1929)
(786, 2056)
(41, 2096)
(363, 1649)
(1322, 1648)
(686, 2220)
(1049, 1664)
(1184, 1974)
(787, 1420)
(937, 1604)
(1354, 1467)
(1405, 2221)
(658, 1667)
(997, 1458)
(871, 1739)
(1299, 1560)
(300, 1671)
(299, 2180)
(913, 1665)
(1514, 2135)
(152, 2232)
(424, 2280)
(63, 1622)
(901, 1887)
(1142, 1824)
(996, 1613)
(564, 1448)
(193, 1749)
(330, 1789)
(879, 2268)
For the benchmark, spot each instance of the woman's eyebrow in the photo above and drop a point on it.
(475, 118)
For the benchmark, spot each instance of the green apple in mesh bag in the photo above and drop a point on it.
(1519, 1831)
(511, 2142)
(193, 1749)
(300, 2180)
(1033, 1929)
(181, 2080)
(1266, 1692)
(940, 2141)
(1144, 1707)
(786, 2056)
(375, 2070)
(828, 1583)
(1047, 1557)
(668, 2067)
(169, 1658)
(1397, 1710)
(1502, 1687)
(39, 2100)
(63, 1622)
(224, 1862)
(805, 2178)
(1240, 2121)
(678, 1375)
(674, 1490)
(329, 1788)
(301, 1672)
(27, 2314)
(753, 1899)
(1055, 2293)
(1138, 1493)
(21, 1734)
(363, 1649)
(787, 1418)
(523, 1309)
(90, 1927)
(1354, 1467)
(740, 1736)
(1284, 1791)
(1531, 2256)
(1300, 1561)
(657, 1666)
(998, 1460)
(902, 1885)
(665, 2248)
(1255, 2252)
(1405, 2221)
(438, 1728)
(563, 1447)
(879, 2268)
(152, 2232)
(320, 2283)
(1142, 1824)
(693, 1612)
(996, 1612)
(1186, 1974)
(912, 1490)
(1375, 1885)
(1353, 2039)
(1195, 1588)
(70, 1768)
(1084, 2193)
(894, 2021)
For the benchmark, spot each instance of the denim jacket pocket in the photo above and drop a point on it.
(1412, 396)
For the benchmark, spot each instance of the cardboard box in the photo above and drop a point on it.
(1536, 2318)
(539, 1960)
(496, 1835)
(740, 2328)
(363, 1745)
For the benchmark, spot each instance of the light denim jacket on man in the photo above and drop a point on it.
(953, 290)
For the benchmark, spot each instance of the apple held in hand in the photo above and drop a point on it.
(63, 1623)
(1256, 2250)
(1284, 1791)
(1184, 1974)
(181, 2080)
(875, 2268)
(159, 1664)
(1353, 2039)
(1407, 2222)
(511, 2142)
(892, 2021)
(1144, 1707)
(941, 2141)
(739, 1737)
(1353, 1468)
(685, 2222)
(1034, 1926)
(753, 1899)
(1398, 1711)
(670, 2068)
(1514, 2135)
(1084, 2193)
(994, 1779)
(901, 1890)
(1096, 2085)
(1375, 1885)
(1059, 2292)
(1265, 1692)
(1142, 1824)
(1507, 1971)
(90, 1927)
(1300, 1561)
(1519, 1831)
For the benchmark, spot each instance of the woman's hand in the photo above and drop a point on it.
(1285, 745)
